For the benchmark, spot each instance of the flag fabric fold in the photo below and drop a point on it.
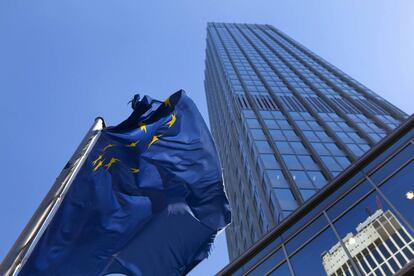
(149, 199)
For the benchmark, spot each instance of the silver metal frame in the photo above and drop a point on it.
(31, 234)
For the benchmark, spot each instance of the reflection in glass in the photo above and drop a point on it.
(306, 234)
(282, 270)
(378, 243)
(308, 260)
(399, 190)
(268, 264)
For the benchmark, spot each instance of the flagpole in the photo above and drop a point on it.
(29, 237)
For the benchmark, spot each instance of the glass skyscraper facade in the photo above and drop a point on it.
(286, 123)
(361, 223)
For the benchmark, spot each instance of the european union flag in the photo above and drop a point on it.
(149, 199)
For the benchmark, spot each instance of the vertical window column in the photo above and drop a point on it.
(286, 114)
(236, 53)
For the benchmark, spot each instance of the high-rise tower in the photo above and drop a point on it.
(286, 122)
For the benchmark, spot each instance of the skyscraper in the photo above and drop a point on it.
(286, 122)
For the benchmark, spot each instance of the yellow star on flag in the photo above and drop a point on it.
(134, 170)
(100, 163)
(111, 162)
(132, 145)
(171, 122)
(97, 159)
(167, 102)
(108, 146)
(143, 126)
(154, 139)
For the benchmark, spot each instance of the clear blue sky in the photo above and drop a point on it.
(62, 63)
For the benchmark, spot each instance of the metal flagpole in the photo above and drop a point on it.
(26, 242)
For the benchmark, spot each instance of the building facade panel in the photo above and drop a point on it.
(360, 224)
(286, 123)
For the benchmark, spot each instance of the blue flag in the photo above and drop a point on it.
(149, 199)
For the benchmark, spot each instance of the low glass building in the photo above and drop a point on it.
(361, 223)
